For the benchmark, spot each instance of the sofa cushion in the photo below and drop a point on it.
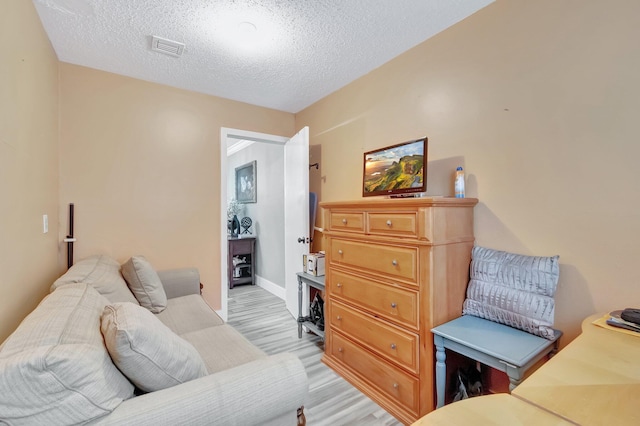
(223, 347)
(513, 289)
(145, 284)
(54, 368)
(146, 351)
(103, 274)
(188, 313)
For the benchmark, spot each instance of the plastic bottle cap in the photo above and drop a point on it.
(459, 168)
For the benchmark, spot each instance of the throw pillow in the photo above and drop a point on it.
(513, 289)
(55, 369)
(147, 351)
(145, 284)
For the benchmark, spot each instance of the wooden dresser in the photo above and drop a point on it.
(395, 269)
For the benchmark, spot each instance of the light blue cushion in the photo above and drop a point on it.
(513, 289)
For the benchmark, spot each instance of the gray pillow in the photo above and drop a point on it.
(513, 289)
(147, 351)
(145, 284)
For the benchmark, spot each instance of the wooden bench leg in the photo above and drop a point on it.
(513, 383)
(441, 370)
(514, 373)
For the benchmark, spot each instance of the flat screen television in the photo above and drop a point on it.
(399, 169)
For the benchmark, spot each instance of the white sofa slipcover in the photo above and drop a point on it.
(244, 386)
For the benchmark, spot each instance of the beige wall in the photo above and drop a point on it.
(28, 162)
(540, 102)
(141, 163)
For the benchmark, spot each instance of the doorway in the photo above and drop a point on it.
(295, 208)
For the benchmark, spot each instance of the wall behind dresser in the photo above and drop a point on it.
(539, 102)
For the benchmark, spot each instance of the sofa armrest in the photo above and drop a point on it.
(180, 282)
(250, 394)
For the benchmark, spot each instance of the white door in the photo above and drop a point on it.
(296, 213)
(296, 208)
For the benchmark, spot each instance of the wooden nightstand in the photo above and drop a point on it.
(243, 272)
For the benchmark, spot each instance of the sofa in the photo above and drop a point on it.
(127, 345)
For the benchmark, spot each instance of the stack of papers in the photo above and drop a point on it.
(616, 321)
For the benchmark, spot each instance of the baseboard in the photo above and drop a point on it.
(271, 287)
(221, 314)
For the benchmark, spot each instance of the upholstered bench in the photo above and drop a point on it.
(499, 346)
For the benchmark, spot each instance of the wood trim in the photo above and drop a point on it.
(400, 203)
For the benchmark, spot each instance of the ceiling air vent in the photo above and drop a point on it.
(168, 47)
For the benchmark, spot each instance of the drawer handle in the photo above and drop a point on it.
(396, 386)
(344, 221)
(339, 285)
(389, 223)
(393, 346)
(394, 262)
(340, 252)
(339, 349)
(339, 318)
(393, 305)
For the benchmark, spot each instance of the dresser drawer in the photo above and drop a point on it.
(393, 261)
(241, 245)
(393, 382)
(393, 303)
(393, 224)
(390, 342)
(342, 221)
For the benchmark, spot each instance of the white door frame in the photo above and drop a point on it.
(225, 135)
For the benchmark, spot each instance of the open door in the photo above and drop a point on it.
(295, 209)
(296, 213)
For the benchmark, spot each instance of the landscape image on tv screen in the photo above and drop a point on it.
(396, 169)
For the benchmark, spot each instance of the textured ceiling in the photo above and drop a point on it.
(302, 50)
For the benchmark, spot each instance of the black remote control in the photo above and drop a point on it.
(631, 315)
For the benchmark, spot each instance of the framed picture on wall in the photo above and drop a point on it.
(246, 188)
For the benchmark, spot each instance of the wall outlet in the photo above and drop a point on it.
(45, 223)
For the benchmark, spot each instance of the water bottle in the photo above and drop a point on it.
(459, 183)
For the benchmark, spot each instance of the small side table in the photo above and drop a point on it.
(309, 281)
(496, 345)
(242, 247)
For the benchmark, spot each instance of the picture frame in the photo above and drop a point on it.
(246, 183)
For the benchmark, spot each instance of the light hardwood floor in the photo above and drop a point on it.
(264, 320)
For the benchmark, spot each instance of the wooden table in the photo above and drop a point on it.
(497, 409)
(593, 380)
